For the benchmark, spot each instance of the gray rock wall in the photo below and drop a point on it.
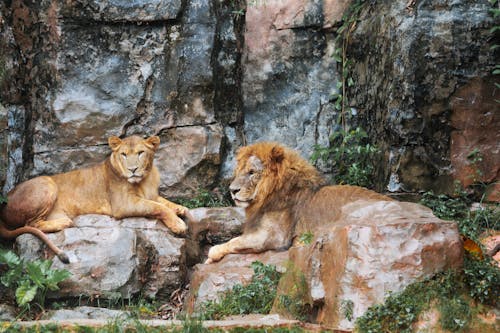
(409, 61)
(209, 76)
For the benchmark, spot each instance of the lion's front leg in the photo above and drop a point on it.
(178, 209)
(254, 242)
(153, 209)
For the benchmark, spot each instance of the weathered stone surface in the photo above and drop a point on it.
(476, 128)
(7, 312)
(119, 11)
(408, 60)
(209, 281)
(85, 312)
(376, 247)
(110, 258)
(289, 74)
(217, 225)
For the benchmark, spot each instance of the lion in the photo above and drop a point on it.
(123, 185)
(284, 196)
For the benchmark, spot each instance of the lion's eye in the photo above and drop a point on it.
(251, 172)
(140, 153)
(124, 155)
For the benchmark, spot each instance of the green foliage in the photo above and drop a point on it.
(293, 299)
(205, 198)
(256, 297)
(351, 157)
(482, 278)
(451, 291)
(31, 280)
(349, 20)
(306, 238)
(3, 200)
(347, 307)
(471, 224)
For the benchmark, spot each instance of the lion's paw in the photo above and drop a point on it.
(178, 227)
(215, 253)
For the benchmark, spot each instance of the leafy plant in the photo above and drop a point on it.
(347, 307)
(31, 280)
(306, 238)
(350, 156)
(205, 198)
(256, 297)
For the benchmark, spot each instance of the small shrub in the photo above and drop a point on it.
(256, 297)
(351, 157)
(205, 198)
(482, 278)
(31, 280)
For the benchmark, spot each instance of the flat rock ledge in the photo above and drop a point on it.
(249, 321)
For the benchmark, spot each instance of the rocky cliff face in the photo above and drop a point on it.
(418, 68)
(210, 76)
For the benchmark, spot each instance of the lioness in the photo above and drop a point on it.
(283, 196)
(124, 185)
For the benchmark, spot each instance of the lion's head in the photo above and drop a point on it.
(268, 174)
(132, 157)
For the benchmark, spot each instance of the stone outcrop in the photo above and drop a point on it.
(209, 281)
(112, 259)
(289, 74)
(211, 76)
(420, 69)
(376, 247)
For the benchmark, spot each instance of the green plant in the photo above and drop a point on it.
(306, 238)
(349, 20)
(205, 198)
(31, 280)
(293, 291)
(351, 157)
(482, 278)
(347, 307)
(255, 297)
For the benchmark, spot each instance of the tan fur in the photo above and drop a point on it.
(283, 196)
(124, 185)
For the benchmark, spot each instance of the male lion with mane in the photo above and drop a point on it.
(283, 196)
(124, 185)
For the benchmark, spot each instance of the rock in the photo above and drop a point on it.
(7, 312)
(289, 74)
(119, 11)
(374, 248)
(85, 312)
(111, 258)
(408, 64)
(217, 225)
(209, 281)
(476, 129)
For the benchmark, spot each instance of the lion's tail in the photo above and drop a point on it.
(9, 234)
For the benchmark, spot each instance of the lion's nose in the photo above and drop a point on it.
(234, 190)
(133, 169)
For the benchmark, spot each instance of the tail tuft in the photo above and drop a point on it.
(63, 257)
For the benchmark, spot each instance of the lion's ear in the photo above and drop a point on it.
(277, 154)
(114, 142)
(153, 141)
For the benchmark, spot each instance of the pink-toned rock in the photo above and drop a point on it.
(376, 247)
(209, 281)
(476, 126)
(491, 243)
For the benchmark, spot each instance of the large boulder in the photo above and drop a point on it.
(114, 258)
(375, 248)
